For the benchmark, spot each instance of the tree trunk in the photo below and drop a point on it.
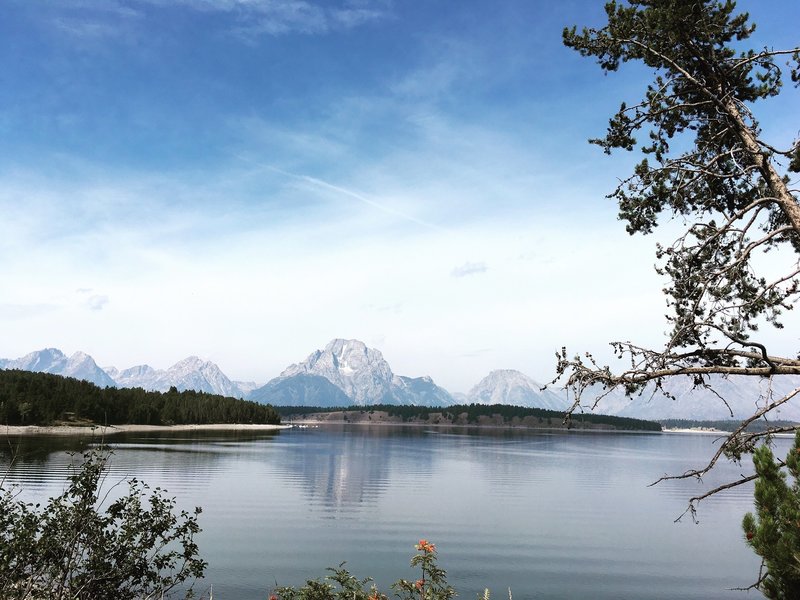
(784, 199)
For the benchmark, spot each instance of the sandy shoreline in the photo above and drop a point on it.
(104, 430)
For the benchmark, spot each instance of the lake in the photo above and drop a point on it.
(550, 515)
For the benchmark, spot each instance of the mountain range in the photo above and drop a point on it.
(347, 372)
(50, 360)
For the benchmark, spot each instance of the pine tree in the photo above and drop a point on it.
(774, 531)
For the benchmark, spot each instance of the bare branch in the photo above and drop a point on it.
(732, 439)
(695, 500)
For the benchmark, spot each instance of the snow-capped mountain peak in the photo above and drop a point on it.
(364, 375)
(48, 360)
(507, 386)
(190, 362)
(191, 373)
(360, 372)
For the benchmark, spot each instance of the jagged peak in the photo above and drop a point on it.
(506, 373)
(194, 362)
(41, 360)
(338, 345)
(343, 355)
(54, 352)
(508, 376)
(137, 370)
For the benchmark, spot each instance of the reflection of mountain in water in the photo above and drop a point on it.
(341, 468)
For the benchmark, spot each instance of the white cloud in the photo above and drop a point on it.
(349, 17)
(96, 301)
(447, 63)
(90, 20)
(82, 28)
(469, 268)
(279, 17)
(360, 197)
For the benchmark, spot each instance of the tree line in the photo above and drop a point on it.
(474, 411)
(28, 398)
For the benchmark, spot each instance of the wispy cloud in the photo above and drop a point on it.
(343, 191)
(394, 308)
(90, 20)
(469, 268)
(475, 353)
(356, 14)
(96, 302)
(281, 17)
(92, 301)
(447, 64)
(85, 29)
(248, 20)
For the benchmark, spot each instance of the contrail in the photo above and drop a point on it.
(350, 193)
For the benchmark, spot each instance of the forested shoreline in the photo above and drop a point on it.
(470, 414)
(28, 398)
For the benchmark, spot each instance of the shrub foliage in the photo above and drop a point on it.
(342, 585)
(77, 547)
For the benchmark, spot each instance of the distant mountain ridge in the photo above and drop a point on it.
(741, 396)
(512, 387)
(302, 389)
(51, 360)
(347, 372)
(191, 373)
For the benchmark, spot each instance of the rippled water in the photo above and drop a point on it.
(552, 516)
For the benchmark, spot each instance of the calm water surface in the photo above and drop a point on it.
(552, 516)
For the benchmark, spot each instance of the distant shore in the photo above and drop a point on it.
(104, 430)
(709, 430)
(440, 418)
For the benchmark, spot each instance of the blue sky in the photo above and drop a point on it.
(246, 179)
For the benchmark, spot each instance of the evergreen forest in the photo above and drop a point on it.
(28, 398)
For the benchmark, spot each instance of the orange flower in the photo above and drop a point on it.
(419, 583)
(273, 597)
(425, 546)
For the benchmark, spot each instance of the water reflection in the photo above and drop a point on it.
(26, 449)
(340, 468)
(177, 461)
(550, 515)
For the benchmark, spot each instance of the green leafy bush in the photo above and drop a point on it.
(341, 585)
(76, 548)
